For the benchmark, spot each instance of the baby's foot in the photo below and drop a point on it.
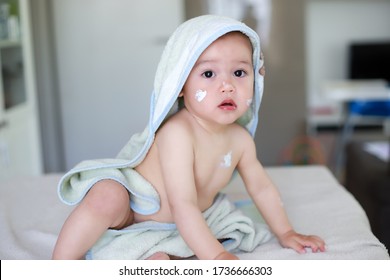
(159, 256)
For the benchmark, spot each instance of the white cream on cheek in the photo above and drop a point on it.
(200, 95)
(249, 102)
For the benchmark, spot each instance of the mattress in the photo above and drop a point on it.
(31, 216)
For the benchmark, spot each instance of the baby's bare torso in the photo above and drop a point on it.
(215, 158)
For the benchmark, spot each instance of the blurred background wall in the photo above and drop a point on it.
(96, 61)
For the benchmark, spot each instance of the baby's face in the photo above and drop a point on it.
(220, 85)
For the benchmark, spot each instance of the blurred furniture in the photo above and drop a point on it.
(366, 102)
(377, 110)
(20, 139)
(303, 150)
(368, 178)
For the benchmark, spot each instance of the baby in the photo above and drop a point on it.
(191, 158)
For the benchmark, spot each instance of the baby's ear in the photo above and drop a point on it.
(181, 94)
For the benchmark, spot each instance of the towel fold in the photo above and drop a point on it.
(140, 241)
(144, 198)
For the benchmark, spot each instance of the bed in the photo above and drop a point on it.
(31, 216)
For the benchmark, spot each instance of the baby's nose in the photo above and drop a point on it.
(227, 87)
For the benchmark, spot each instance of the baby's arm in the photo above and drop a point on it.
(267, 199)
(176, 153)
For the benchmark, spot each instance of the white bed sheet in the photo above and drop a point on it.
(31, 216)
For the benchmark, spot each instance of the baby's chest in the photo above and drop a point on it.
(216, 158)
(214, 168)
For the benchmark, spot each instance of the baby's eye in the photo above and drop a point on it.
(239, 73)
(208, 74)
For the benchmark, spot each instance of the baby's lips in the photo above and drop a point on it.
(228, 104)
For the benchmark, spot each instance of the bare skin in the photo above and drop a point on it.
(202, 145)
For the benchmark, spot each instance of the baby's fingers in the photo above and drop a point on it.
(296, 245)
(314, 242)
(226, 256)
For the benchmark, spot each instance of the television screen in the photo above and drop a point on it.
(369, 60)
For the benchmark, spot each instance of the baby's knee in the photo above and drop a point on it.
(108, 197)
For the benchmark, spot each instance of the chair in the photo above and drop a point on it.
(359, 110)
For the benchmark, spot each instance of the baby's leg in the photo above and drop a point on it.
(159, 256)
(105, 206)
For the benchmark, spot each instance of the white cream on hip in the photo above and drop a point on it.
(227, 160)
(200, 95)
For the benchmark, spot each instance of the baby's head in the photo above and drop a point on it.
(189, 44)
(219, 87)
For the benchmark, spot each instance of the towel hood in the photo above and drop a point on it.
(181, 52)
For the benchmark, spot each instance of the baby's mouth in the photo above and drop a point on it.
(228, 105)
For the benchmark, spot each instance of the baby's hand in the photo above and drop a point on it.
(226, 256)
(299, 242)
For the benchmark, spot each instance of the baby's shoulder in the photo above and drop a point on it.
(175, 125)
(237, 131)
(241, 139)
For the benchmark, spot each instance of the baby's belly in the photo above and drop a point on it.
(164, 215)
(206, 191)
